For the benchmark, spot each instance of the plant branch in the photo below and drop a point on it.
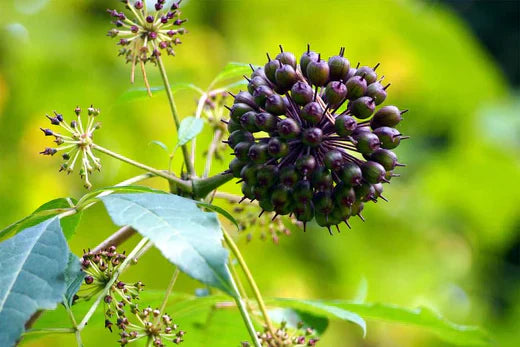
(173, 108)
(74, 323)
(116, 238)
(217, 136)
(115, 276)
(231, 244)
(167, 294)
(50, 331)
(245, 316)
(185, 185)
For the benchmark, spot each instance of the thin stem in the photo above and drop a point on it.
(198, 113)
(240, 286)
(245, 316)
(217, 136)
(185, 185)
(116, 238)
(167, 294)
(173, 108)
(251, 281)
(50, 331)
(116, 274)
(74, 323)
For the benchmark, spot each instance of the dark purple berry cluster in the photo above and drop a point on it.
(310, 140)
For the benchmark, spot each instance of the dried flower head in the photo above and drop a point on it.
(315, 153)
(75, 146)
(146, 32)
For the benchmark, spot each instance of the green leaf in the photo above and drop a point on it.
(293, 317)
(321, 308)
(219, 210)
(32, 277)
(46, 211)
(186, 236)
(160, 144)
(189, 128)
(92, 196)
(73, 278)
(231, 70)
(462, 335)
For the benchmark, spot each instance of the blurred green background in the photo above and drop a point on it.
(450, 237)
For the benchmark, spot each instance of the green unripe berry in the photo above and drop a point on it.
(339, 67)
(301, 93)
(248, 173)
(323, 202)
(260, 192)
(285, 77)
(233, 125)
(345, 125)
(280, 195)
(367, 73)
(270, 70)
(248, 121)
(261, 94)
(245, 98)
(289, 176)
(356, 208)
(386, 116)
(344, 195)
(322, 179)
(241, 151)
(239, 136)
(385, 157)
(287, 58)
(340, 213)
(266, 204)
(266, 121)
(378, 189)
(288, 128)
(306, 165)
(312, 137)
(277, 148)
(302, 192)
(306, 58)
(275, 104)
(258, 153)
(312, 112)
(318, 72)
(247, 190)
(238, 109)
(304, 213)
(350, 174)
(377, 92)
(389, 137)
(373, 172)
(362, 107)
(256, 82)
(335, 93)
(365, 192)
(356, 87)
(267, 175)
(236, 166)
(367, 142)
(333, 160)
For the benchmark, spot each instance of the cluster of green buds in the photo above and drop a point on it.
(249, 221)
(75, 142)
(308, 140)
(120, 303)
(287, 337)
(147, 32)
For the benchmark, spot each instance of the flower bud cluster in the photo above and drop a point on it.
(147, 31)
(74, 141)
(309, 140)
(120, 303)
(287, 337)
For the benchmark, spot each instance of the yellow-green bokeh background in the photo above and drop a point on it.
(442, 241)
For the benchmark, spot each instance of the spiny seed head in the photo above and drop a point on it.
(309, 139)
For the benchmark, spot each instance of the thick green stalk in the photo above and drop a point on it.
(173, 108)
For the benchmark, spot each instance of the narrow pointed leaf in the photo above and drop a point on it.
(186, 236)
(231, 70)
(33, 263)
(189, 128)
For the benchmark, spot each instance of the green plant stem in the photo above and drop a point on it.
(211, 151)
(167, 293)
(115, 276)
(50, 331)
(231, 244)
(245, 316)
(185, 185)
(74, 323)
(240, 286)
(173, 108)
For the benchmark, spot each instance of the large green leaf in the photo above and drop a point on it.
(32, 278)
(462, 335)
(187, 236)
(46, 211)
(189, 128)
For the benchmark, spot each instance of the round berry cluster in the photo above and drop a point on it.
(308, 140)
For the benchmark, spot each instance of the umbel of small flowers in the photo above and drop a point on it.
(287, 337)
(120, 303)
(75, 140)
(145, 32)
